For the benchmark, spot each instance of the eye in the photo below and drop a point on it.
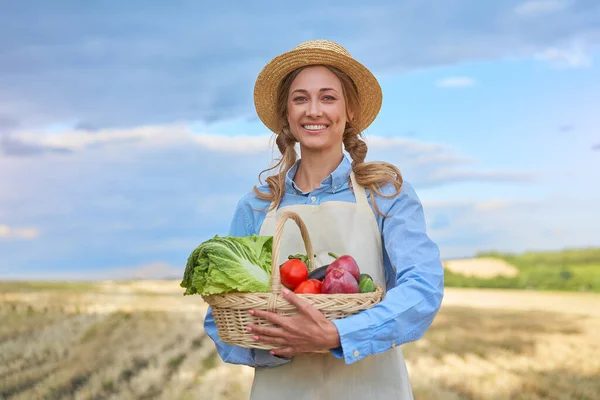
(299, 98)
(328, 98)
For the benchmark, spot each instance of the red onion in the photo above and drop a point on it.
(338, 280)
(346, 262)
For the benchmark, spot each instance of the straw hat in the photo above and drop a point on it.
(323, 52)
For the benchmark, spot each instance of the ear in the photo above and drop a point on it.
(350, 115)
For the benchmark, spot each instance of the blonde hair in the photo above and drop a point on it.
(371, 175)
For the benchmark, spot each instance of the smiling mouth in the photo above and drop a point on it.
(314, 128)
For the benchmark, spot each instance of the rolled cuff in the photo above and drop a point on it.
(355, 344)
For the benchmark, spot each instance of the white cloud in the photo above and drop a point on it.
(410, 146)
(423, 162)
(234, 144)
(80, 139)
(511, 225)
(449, 175)
(540, 7)
(457, 81)
(493, 205)
(8, 232)
(162, 136)
(158, 194)
(446, 204)
(120, 80)
(448, 159)
(147, 137)
(482, 205)
(573, 57)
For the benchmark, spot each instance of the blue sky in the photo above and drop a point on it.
(128, 132)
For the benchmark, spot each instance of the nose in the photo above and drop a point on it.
(314, 109)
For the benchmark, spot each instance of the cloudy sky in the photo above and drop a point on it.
(128, 132)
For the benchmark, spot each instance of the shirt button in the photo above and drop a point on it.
(393, 345)
(313, 199)
(356, 353)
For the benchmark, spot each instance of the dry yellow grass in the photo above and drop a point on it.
(144, 340)
(481, 267)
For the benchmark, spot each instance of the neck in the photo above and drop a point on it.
(314, 167)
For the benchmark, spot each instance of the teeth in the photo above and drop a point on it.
(314, 127)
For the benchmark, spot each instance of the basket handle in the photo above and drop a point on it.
(275, 276)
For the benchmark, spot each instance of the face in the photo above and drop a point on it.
(316, 109)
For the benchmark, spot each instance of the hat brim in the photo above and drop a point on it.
(269, 79)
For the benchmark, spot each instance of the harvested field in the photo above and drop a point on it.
(144, 340)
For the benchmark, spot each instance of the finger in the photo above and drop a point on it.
(266, 330)
(270, 339)
(269, 316)
(302, 305)
(283, 352)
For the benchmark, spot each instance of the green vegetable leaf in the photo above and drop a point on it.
(229, 264)
(299, 256)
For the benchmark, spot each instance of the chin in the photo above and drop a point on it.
(315, 144)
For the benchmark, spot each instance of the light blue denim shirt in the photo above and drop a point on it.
(413, 270)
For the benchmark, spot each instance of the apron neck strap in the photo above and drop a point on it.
(359, 191)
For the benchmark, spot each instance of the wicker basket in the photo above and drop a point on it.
(230, 310)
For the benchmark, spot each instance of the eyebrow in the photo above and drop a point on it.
(320, 90)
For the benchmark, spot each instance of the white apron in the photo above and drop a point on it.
(341, 228)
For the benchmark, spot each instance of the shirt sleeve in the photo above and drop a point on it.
(241, 225)
(408, 309)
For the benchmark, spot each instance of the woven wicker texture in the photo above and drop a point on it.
(230, 311)
(316, 52)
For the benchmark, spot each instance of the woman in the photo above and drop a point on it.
(319, 97)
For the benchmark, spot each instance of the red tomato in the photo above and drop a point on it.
(293, 272)
(318, 284)
(311, 286)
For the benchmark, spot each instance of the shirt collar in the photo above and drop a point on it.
(332, 183)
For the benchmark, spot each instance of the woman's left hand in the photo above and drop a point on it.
(307, 331)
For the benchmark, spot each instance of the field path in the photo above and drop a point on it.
(481, 267)
(522, 300)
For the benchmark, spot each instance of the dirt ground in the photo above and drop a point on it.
(144, 340)
(481, 267)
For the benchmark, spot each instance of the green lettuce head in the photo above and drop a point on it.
(229, 264)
